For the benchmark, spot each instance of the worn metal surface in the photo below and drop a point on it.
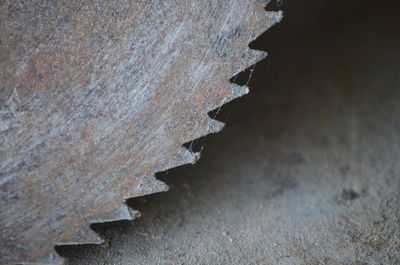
(97, 96)
(306, 171)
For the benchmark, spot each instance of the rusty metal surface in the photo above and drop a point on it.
(306, 171)
(97, 96)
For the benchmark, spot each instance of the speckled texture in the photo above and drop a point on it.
(306, 171)
(97, 96)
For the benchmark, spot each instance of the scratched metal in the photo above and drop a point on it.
(97, 96)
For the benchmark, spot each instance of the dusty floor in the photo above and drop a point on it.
(306, 171)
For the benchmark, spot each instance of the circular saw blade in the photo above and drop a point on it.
(98, 96)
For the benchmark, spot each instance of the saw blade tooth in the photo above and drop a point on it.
(120, 213)
(206, 125)
(274, 17)
(142, 189)
(266, 21)
(209, 126)
(177, 157)
(249, 58)
(82, 235)
(236, 92)
(213, 126)
(181, 156)
(184, 156)
(233, 91)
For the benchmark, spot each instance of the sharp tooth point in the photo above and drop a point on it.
(161, 185)
(84, 235)
(255, 55)
(181, 157)
(214, 126)
(275, 17)
(121, 213)
(135, 214)
(142, 188)
(194, 156)
(250, 57)
(92, 237)
(187, 156)
(197, 157)
(236, 91)
(264, 22)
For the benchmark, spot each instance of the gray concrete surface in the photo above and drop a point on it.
(306, 171)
